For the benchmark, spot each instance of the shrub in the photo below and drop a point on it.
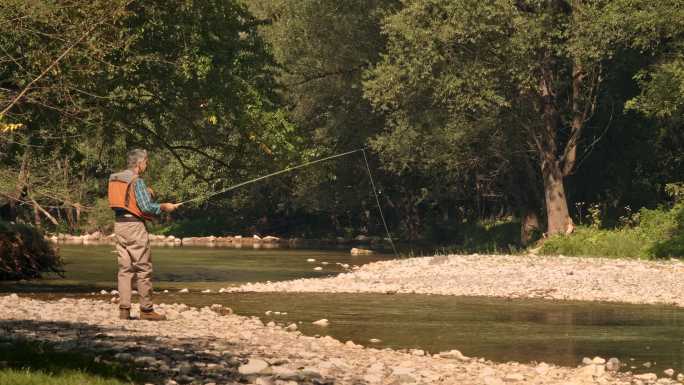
(656, 233)
(25, 253)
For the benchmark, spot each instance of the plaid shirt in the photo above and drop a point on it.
(145, 203)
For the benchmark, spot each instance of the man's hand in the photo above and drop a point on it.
(150, 191)
(168, 207)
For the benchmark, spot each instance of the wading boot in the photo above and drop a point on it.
(125, 314)
(151, 315)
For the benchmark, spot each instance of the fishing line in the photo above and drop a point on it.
(389, 236)
(370, 176)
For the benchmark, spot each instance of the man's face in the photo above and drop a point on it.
(143, 166)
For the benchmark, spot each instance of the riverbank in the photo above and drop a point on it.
(211, 345)
(237, 241)
(520, 276)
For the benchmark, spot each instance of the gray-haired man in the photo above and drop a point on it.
(130, 199)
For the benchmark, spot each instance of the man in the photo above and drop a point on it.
(132, 204)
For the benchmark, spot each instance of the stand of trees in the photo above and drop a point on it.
(516, 110)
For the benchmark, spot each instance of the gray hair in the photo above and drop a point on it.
(136, 156)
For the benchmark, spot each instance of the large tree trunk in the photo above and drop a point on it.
(557, 214)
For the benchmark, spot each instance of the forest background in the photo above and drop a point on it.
(488, 124)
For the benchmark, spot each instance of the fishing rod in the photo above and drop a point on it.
(370, 176)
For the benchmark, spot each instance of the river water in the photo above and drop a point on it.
(560, 332)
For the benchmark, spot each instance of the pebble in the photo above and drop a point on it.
(598, 361)
(184, 290)
(291, 327)
(514, 377)
(321, 322)
(318, 268)
(454, 354)
(648, 377)
(669, 372)
(613, 364)
(253, 366)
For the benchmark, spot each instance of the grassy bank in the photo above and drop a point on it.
(34, 363)
(648, 234)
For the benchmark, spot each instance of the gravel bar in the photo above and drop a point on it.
(509, 276)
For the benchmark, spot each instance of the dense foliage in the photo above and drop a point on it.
(25, 253)
(519, 113)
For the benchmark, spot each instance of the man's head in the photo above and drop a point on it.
(137, 160)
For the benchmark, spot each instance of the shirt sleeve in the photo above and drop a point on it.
(145, 203)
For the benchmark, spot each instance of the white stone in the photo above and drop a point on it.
(648, 377)
(542, 368)
(489, 380)
(454, 354)
(669, 372)
(358, 251)
(598, 361)
(253, 366)
(311, 260)
(318, 268)
(321, 322)
(514, 377)
(291, 327)
(184, 290)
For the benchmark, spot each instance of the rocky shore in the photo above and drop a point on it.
(531, 276)
(236, 241)
(213, 346)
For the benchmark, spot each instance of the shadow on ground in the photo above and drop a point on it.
(113, 352)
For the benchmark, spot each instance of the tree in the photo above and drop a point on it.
(322, 48)
(86, 81)
(531, 68)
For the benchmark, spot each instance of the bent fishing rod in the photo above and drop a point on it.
(286, 170)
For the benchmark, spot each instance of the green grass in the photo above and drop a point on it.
(657, 233)
(70, 377)
(38, 363)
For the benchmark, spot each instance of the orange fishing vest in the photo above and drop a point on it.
(121, 193)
